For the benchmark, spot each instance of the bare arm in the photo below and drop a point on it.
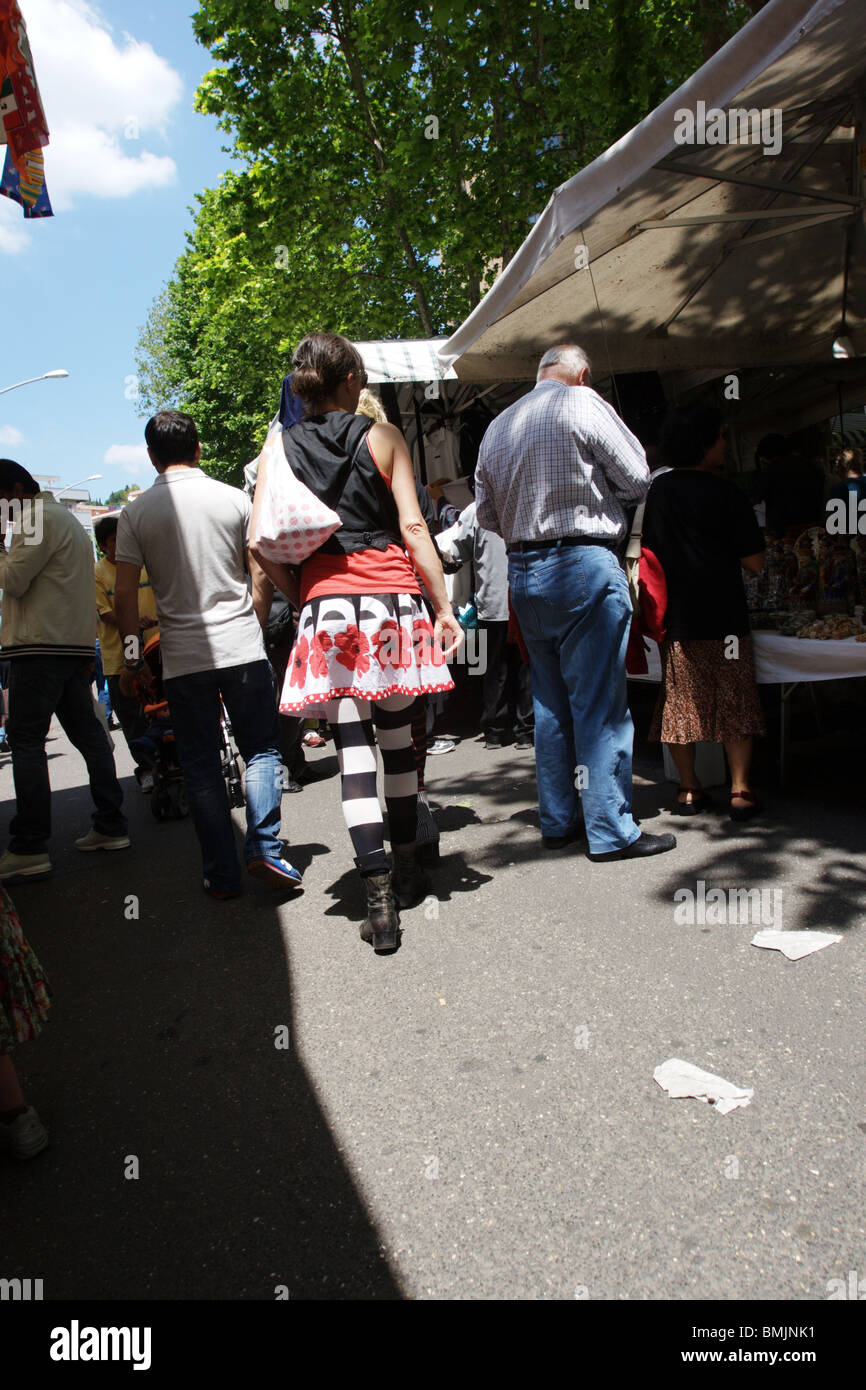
(393, 458)
(263, 591)
(753, 563)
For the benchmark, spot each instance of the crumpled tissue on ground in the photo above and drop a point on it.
(681, 1079)
(794, 944)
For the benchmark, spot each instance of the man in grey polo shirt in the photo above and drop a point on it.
(191, 533)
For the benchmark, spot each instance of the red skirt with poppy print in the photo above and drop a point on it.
(367, 646)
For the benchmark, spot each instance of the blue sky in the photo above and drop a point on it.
(128, 155)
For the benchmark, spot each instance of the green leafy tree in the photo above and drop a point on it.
(394, 156)
(119, 497)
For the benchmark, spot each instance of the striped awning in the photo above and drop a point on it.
(412, 359)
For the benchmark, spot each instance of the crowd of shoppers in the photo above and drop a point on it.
(361, 635)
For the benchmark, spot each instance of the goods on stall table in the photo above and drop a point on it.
(814, 572)
(833, 629)
(787, 622)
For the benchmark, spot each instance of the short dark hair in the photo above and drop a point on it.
(12, 473)
(686, 435)
(772, 446)
(171, 437)
(320, 363)
(104, 527)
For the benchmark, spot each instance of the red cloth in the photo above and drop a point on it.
(363, 572)
(24, 119)
(514, 633)
(649, 620)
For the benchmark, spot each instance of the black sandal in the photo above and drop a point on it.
(693, 808)
(743, 813)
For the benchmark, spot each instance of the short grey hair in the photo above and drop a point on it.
(572, 358)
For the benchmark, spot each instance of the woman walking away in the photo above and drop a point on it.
(24, 1003)
(703, 530)
(365, 648)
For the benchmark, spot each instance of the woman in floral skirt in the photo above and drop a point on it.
(24, 1003)
(365, 648)
(702, 529)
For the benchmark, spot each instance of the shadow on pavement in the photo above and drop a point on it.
(160, 1058)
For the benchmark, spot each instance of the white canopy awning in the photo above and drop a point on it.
(700, 255)
(410, 359)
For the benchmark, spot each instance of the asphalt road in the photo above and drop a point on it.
(474, 1117)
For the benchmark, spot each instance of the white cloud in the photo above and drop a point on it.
(14, 235)
(98, 90)
(132, 458)
(9, 435)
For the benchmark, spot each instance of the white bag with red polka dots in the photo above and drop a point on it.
(289, 521)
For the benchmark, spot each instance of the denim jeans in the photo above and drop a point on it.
(573, 606)
(40, 686)
(248, 694)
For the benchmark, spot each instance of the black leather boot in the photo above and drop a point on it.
(382, 921)
(409, 879)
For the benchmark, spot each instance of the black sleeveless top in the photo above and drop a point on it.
(331, 456)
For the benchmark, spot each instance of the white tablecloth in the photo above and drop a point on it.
(782, 659)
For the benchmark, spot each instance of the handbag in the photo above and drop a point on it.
(289, 521)
(632, 556)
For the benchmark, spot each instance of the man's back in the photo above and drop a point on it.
(191, 532)
(48, 603)
(557, 463)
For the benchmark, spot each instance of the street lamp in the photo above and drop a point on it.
(71, 486)
(46, 376)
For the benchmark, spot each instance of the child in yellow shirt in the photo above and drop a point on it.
(126, 708)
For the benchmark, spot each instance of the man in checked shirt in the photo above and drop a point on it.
(555, 472)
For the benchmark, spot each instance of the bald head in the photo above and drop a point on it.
(568, 364)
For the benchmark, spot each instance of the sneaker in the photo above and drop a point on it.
(25, 1137)
(275, 871)
(524, 741)
(15, 868)
(441, 745)
(145, 781)
(494, 741)
(94, 839)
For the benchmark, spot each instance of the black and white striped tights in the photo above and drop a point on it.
(352, 723)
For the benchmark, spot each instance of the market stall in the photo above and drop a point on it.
(699, 252)
(442, 418)
(788, 662)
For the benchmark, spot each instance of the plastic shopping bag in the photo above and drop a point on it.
(289, 522)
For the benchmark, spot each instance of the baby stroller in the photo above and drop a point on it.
(157, 748)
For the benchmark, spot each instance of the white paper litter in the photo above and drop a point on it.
(681, 1079)
(794, 944)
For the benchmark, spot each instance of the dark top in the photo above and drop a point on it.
(842, 489)
(794, 493)
(699, 526)
(331, 456)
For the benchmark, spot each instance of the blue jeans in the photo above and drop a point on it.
(40, 686)
(103, 694)
(573, 606)
(248, 694)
